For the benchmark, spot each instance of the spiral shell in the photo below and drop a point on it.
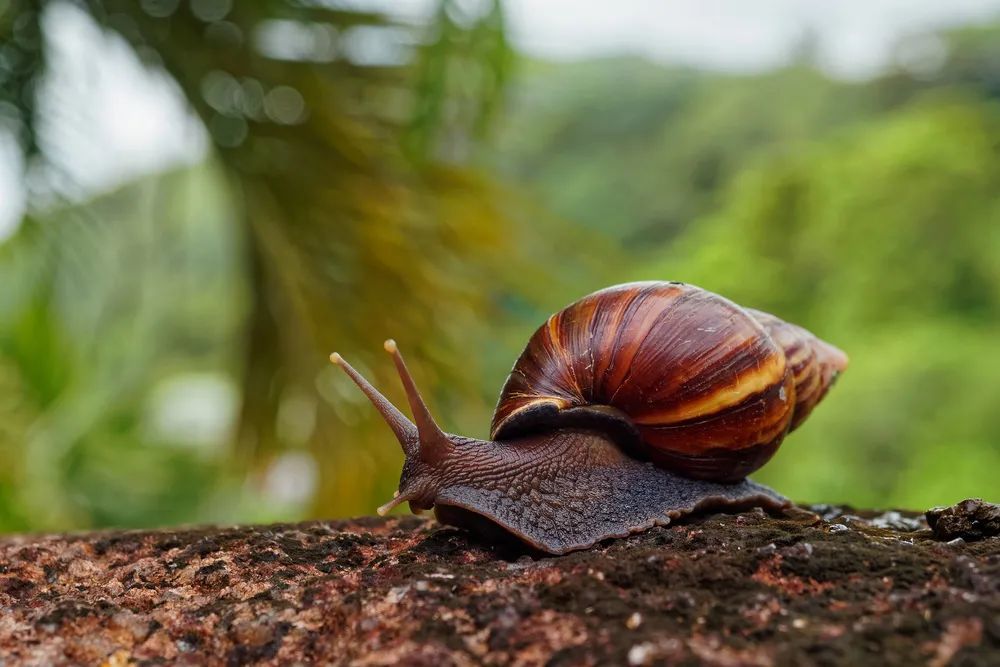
(815, 363)
(673, 373)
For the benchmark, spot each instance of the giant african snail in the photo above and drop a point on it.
(633, 406)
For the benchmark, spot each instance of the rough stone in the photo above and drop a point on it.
(835, 587)
(969, 520)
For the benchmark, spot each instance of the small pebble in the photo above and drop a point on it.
(640, 654)
(130, 622)
(633, 621)
(521, 563)
(838, 528)
(896, 521)
(800, 550)
(396, 594)
(972, 519)
(957, 542)
(827, 512)
(799, 623)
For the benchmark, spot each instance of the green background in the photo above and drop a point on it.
(163, 346)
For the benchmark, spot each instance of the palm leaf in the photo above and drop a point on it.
(358, 215)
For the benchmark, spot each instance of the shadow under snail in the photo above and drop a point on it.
(632, 407)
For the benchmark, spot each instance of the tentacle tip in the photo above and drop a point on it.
(336, 359)
(390, 346)
(382, 510)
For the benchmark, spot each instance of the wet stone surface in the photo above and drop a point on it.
(834, 587)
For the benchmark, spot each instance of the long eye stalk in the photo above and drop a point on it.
(424, 440)
(434, 443)
(404, 429)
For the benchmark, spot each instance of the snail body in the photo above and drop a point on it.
(629, 408)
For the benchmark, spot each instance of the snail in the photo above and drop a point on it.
(632, 407)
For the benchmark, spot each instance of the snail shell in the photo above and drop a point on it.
(674, 374)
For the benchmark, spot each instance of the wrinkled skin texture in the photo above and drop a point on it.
(565, 490)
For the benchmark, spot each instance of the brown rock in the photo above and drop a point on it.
(969, 520)
(745, 589)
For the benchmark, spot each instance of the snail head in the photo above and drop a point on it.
(427, 448)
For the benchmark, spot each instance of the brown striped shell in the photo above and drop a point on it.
(673, 373)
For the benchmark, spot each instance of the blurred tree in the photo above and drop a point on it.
(864, 210)
(683, 134)
(884, 240)
(82, 350)
(964, 57)
(346, 199)
(22, 56)
(344, 138)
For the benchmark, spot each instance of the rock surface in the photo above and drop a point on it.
(969, 520)
(831, 588)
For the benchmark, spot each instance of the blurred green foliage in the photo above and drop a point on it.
(163, 347)
(864, 211)
(886, 240)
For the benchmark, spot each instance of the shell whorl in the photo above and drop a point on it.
(674, 373)
(815, 363)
